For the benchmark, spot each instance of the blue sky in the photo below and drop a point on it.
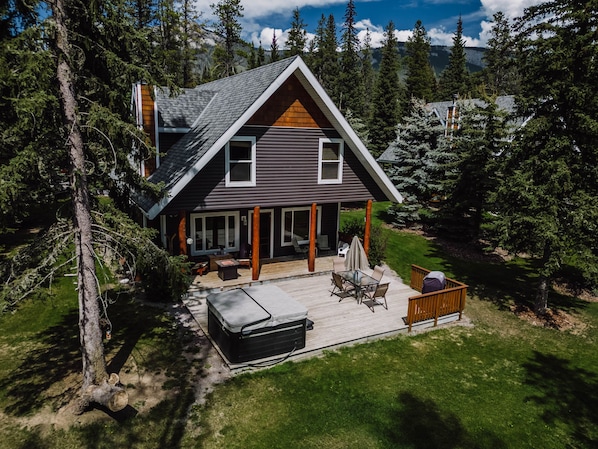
(264, 17)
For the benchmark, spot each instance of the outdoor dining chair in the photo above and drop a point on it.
(341, 289)
(300, 249)
(376, 297)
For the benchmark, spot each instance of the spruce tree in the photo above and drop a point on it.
(547, 199)
(297, 38)
(387, 95)
(420, 81)
(350, 83)
(420, 148)
(455, 78)
(368, 76)
(228, 27)
(500, 75)
(329, 60)
(274, 55)
(473, 172)
(315, 60)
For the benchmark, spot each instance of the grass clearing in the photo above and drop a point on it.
(499, 383)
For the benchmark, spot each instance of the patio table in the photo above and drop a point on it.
(361, 281)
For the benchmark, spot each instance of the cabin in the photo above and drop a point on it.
(262, 160)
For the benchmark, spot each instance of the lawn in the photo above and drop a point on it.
(496, 382)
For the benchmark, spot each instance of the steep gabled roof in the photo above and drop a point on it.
(222, 107)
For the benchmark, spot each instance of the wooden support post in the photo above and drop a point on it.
(255, 244)
(311, 260)
(368, 225)
(182, 232)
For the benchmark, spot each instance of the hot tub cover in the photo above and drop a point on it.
(256, 307)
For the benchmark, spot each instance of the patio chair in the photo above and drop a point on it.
(376, 296)
(378, 273)
(299, 249)
(342, 249)
(323, 244)
(341, 289)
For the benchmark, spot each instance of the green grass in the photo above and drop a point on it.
(498, 383)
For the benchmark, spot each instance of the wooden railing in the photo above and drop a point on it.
(433, 305)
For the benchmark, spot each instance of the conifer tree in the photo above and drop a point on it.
(368, 76)
(297, 38)
(455, 78)
(350, 83)
(473, 172)
(190, 36)
(329, 60)
(420, 149)
(420, 81)
(274, 55)
(315, 60)
(228, 27)
(500, 75)
(547, 200)
(387, 95)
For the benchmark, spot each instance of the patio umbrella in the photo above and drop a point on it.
(356, 258)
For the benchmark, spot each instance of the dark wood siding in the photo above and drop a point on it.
(286, 175)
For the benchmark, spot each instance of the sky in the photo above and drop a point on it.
(261, 18)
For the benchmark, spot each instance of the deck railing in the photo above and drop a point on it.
(433, 305)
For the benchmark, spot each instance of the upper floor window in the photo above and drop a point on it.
(240, 161)
(330, 168)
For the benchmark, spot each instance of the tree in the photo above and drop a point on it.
(500, 75)
(548, 196)
(350, 83)
(420, 81)
(228, 27)
(387, 95)
(297, 38)
(315, 60)
(368, 75)
(454, 79)
(475, 148)
(274, 56)
(329, 59)
(419, 149)
(80, 62)
(191, 34)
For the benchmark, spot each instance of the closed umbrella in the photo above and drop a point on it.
(356, 258)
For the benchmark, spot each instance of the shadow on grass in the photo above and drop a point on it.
(503, 283)
(55, 356)
(421, 424)
(568, 395)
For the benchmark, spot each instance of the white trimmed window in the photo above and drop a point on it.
(240, 162)
(215, 232)
(330, 163)
(296, 222)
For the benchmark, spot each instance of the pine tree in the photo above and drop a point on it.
(547, 200)
(475, 149)
(191, 34)
(315, 60)
(274, 55)
(297, 38)
(368, 75)
(420, 81)
(455, 78)
(419, 149)
(329, 60)
(228, 27)
(500, 75)
(349, 81)
(387, 95)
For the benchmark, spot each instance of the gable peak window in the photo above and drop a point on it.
(240, 162)
(330, 168)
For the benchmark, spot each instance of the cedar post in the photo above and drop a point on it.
(255, 244)
(368, 224)
(182, 232)
(311, 260)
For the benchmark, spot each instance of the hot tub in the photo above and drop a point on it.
(256, 322)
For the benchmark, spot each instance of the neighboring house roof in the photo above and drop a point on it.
(439, 109)
(216, 111)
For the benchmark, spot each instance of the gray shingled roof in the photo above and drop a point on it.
(217, 106)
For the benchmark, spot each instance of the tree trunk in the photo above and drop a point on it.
(94, 363)
(541, 302)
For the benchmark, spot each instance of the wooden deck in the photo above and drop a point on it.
(336, 323)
